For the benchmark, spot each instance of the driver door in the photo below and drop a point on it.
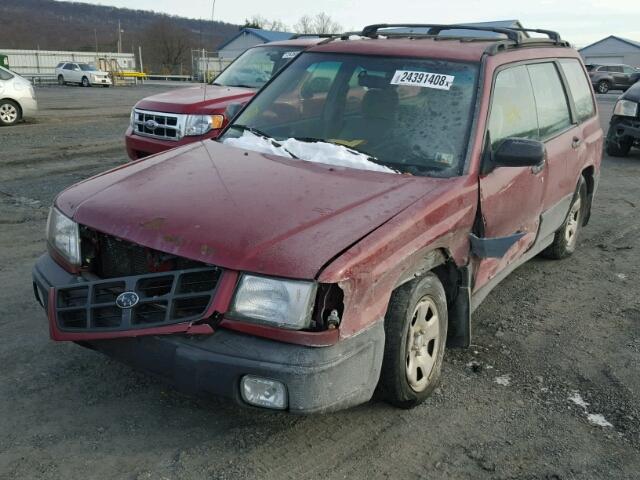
(511, 198)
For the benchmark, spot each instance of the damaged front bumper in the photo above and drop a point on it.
(625, 127)
(202, 357)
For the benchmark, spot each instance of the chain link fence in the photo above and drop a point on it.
(206, 65)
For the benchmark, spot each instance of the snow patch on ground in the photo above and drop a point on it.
(593, 418)
(598, 420)
(317, 152)
(578, 400)
(504, 380)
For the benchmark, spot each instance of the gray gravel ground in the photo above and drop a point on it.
(552, 331)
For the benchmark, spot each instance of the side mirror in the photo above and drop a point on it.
(519, 152)
(232, 111)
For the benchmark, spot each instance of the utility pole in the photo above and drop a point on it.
(119, 38)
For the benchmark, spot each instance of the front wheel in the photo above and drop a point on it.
(9, 112)
(603, 86)
(85, 82)
(617, 146)
(415, 334)
(566, 238)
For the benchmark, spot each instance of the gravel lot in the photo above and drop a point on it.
(556, 345)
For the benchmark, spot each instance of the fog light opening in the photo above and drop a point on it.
(263, 392)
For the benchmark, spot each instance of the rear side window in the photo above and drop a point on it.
(580, 88)
(513, 108)
(68, 66)
(551, 101)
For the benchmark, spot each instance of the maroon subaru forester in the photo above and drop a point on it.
(341, 231)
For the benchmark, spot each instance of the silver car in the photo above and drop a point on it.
(85, 74)
(17, 98)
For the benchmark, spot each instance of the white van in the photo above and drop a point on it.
(17, 98)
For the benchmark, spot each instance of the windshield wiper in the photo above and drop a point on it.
(261, 134)
(369, 157)
(241, 86)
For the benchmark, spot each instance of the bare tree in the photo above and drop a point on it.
(167, 44)
(319, 24)
(258, 21)
(304, 25)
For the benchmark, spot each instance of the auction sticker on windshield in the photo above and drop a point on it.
(289, 54)
(422, 79)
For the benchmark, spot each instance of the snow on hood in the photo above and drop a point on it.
(317, 152)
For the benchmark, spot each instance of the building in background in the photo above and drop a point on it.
(247, 38)
(41, 64)
(612, 50)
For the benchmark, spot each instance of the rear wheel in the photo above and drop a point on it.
(603, 86)
(415, 333)
(9, 112)
(61, 80)
(85, 82)
(566, 238)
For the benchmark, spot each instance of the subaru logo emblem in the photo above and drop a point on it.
(127, 300)
(151, 124)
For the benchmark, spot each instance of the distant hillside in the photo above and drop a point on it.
(53, 25)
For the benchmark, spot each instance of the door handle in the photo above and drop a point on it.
(576, 142)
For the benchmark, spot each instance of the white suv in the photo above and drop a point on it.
(83, 73)
(17, 98)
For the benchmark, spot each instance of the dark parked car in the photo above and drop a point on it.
(341, 231)
(624, 128)
(612, 77)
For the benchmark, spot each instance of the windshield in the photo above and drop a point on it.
(409, 115)
(256, 66)
(85, 67)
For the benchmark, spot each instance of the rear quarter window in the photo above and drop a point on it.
(579, 87)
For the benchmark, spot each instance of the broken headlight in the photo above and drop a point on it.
(278, 302)
(63, 236)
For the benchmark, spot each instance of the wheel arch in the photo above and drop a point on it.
(455, 280)
(588, 174)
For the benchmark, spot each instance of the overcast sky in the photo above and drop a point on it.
(579, 21)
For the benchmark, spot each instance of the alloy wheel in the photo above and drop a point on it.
(8, 113)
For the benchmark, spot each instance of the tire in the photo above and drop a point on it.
(10, 112)
(566, 238)
(603, 86)
(85, 82)
(415, 336)
(61, 80)
(618, 146)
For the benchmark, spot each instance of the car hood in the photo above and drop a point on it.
(198, 99)
(633, 93)
(240, 209)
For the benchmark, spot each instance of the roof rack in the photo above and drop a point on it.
(313, 35)
(512, 33)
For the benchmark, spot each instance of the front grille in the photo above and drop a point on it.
(109, 257)
(164, 298)
(163, 126)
